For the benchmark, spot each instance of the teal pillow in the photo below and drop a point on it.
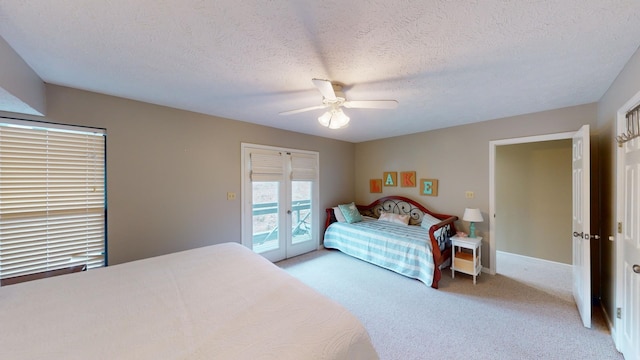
(350, 212)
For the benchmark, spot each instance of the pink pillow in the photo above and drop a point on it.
(394, 218)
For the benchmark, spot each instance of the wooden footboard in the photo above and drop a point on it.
(441, 256)
(405, 206)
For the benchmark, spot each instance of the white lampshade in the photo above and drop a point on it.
(334, 119)
(325, 119)
(472, 215)
(339, 120)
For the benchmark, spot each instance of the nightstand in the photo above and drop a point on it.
(465, 261)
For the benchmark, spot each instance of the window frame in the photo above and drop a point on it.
(78, 197)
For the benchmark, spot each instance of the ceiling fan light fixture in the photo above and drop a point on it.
(333, 99)
(339, 120)
(325, 119)
(334, 119)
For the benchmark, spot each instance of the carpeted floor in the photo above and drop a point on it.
(553, 278)
(499, 318)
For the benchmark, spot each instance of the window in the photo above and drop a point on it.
(52, 197)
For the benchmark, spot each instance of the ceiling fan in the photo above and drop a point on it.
(333, 100)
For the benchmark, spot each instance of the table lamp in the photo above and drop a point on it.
(472, 216)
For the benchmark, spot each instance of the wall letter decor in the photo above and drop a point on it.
(429, 187)
(408, 179)
(390, 178)
(375, 185)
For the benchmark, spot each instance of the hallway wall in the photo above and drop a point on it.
(533, 200)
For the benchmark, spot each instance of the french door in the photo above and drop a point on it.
(279, 201)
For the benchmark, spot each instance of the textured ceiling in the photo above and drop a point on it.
(446, 62)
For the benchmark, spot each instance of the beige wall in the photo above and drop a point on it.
(626, 86)
(168, 171)
(458, 157)
(533, 200)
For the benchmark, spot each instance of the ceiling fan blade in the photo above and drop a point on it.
(291, 112)
(326, 88)
(371, 104)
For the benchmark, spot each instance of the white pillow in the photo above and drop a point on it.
(338, 213)
(428, 221)
(394, 218)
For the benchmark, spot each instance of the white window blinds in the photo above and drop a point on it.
(304, 166)
(266, 166)
(52, 199)
(270, 166)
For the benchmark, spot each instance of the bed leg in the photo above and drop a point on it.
(437, 274)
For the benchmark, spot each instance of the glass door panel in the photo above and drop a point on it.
(265, 216)
(301, 211)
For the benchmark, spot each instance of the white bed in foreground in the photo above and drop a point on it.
(216, 302)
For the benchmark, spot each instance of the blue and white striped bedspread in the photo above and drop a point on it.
(403, 249)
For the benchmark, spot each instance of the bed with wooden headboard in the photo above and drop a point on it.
(419, 248)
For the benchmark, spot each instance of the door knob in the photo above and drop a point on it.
(577, 234)
(636, 269)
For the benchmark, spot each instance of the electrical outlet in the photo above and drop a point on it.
(231, 196)
(469, 195)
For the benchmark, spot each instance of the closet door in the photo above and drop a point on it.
(280, 192)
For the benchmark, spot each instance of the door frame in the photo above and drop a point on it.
(492, 188)
(246, 201)
(620, 127)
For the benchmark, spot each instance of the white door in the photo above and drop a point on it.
(279, 201)
(581, 224)
(629, 322)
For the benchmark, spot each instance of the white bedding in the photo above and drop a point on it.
(216, 302)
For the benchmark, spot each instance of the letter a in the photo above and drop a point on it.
(389, 180)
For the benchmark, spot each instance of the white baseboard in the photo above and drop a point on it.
(551, 265)
(607, 318)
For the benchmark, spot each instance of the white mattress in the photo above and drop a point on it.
(216, 302)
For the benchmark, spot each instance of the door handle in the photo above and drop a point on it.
(582, 235)
(636, 269)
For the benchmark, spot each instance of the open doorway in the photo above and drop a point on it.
(531, 211)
